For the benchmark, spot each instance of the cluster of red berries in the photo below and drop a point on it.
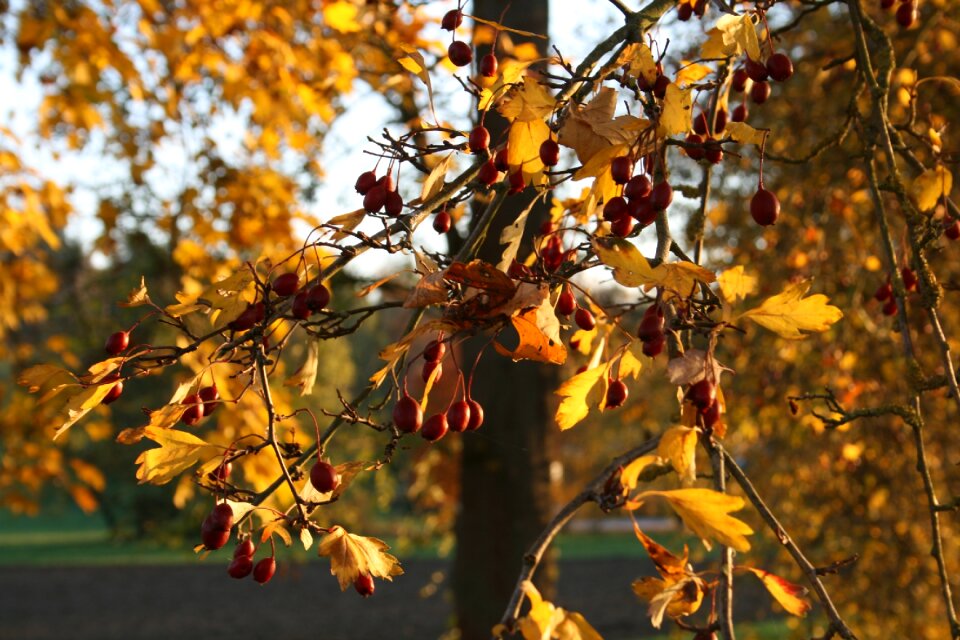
(906, 13)
(702, 143)
(703, 396)
(116, 344)
(651, 331)
(242, 564)
(641, 200)
(463, 415)
(379, 193)
(885, 295)
(199, 405)
(567, 304)
(459, 52)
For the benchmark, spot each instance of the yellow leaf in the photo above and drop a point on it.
(36, 377)
(789, 595)
(138, 296)
(669, 566)
(81, 404)
(345, 223)
(788, 313)
(414, 63)
(679, 446)
(523, 148)
(510, 73)
(178, 451)
(706, 513)
(501, 27)
(575, 392)
(341, 16)
(433, 183)
(692, 73)
(731, 36)
(348, 471)
(931, 186)
(676, 115)
(545, 621)
(351, 555)
(641, 62)
(675, 599)
(631, 473)
(736, 284)
(529, 103)
(306, 375)
(630, 365)
(745, 134)
(631, 269)
(276, 528)
(539, 332)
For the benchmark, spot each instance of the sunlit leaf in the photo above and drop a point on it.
(789, 314)
(177, 452)
(576, 393)
(705, 512)
(931, 186)
(789, 595)
(352, 555)
(679, 446)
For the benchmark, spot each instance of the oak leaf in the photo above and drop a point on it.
(352, 555)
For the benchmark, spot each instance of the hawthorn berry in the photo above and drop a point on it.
(549, 152)
(324, 477)
(500, 160)
(713, 151)
(458, 416)
(759, 92)
(616, 394)
(907, 14)
(393, 204)
(764, 207)
(365, 182)
(264, 570)
(300, 310)
(621, 227)
(476, 415)
(407, 414)
(711, 416)
(652, 324)
(615, 208)
(684, 12)
(621, 168)
(653, 348)
(194, 410)
(488, 173)
(215, 530)
(435, 427)
(209, 396)
(567, 302)
(460, 53)
(890, 307)
(642, 211)
(909, 278)
(245, 549)
(720, 121)
(479, 139)
(428, 369)
(286, 284)
(695, 152)
(451, 20)
(584, 319)
(702, 394)
(780, 67)
(364, 585)
(117, 342)
(662, 195)
(375, 198)
(442, 221)
(517, 183)
(700, 124)
(115, 390)
(638, 186)
(489, 65)
(739, 81)
(240, 567)
(248, 317)
(755, 70)
(952, 230)
(434, 351)
(740, 113)
(884, 292)
(660, 86)
(222, 472)
(318, 297)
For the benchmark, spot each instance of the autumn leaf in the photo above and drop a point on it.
(630, 475)
(669, 566)
(931, 186)
(545, 621)
(731, 36)
(523, 148)
(577, 395)
(674, 599)
(745, 134)
(736, 284)
(347, 471)
(512, 235)
(640, 58)
(789, 595)
(705, 512)
(429, 290)
(345, 223)
(679, 446)
(138, 296)
(306, 376)
(433, 183)
(177, 452)
(352, 555)
(539, 333)
(676, 116)
(789, 314)
(277, 528)
(530, 102)
(692, 72)
(631, 269)
(37, 377)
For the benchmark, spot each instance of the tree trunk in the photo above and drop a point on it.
(505, 469)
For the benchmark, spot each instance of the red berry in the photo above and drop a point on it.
(318, 297)
(222, 472)
(584, 319)
(642, 211)
(549, 152)
(759, 92)
(720, 121)
(700, 124)
(479, 139)
(215, 530)
(755, 69)
(651, 326)
(393, 204)
(451, 20)
(654, 348)
(764, 207)
(434, 428)
(115, 390)
(566, 303)
(387, 183)
(615, 208)
(300, 310)
(249, 317)
(907, 14)
(909, 278)
(240, 567)
(711, 416)
(616, 394)
(660, 86)
(476, 415)
(364, 585)
(713, 151)
(702, 394)
(740, 113)
(286, 284)
(209, 396)
(264, 570)
(884, 292)
(365, 182)
(429, 368)
(695, 153)
(488, 173)
(117, 342)
(887, 4)
(458, 416)
(500, 160)
(194, 410)
(324, 477)
(245, 549)
(546, 228)
(442, 221)
(518, 270)
(460, 53)
(780, 67)
(952, 230)
(407, 415)
(739, 81)
(638, 187)
(684, 12)
(621, 227)
(700, 8)
(890, 307)
(621, 168)
(435, 351)
(489, 65)
(662, 195)
(375, 198)
(517, 183)
(222, 516)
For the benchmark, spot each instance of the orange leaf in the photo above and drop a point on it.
(537, 339)
(668, 565)
(789, 595)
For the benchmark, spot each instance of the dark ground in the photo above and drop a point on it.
(302, 601)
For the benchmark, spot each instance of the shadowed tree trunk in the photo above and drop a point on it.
(505, 476)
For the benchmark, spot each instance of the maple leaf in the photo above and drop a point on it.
(706, 513)
(577, 393)
(539, 332)
(931, 186)
(789, 595)
(178, 451)
(788, 313)
(679, 446)
(352, 555)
